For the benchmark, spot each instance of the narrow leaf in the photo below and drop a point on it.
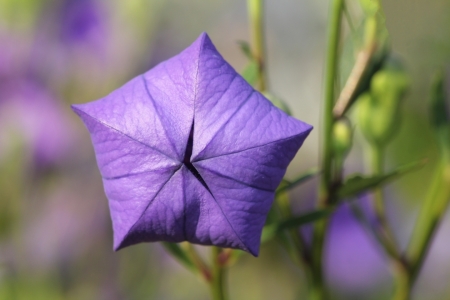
(245, 47)
(287, 185)
(358, 184)
(440, 114)
(177, 252)
(250, 73)
(272, 230)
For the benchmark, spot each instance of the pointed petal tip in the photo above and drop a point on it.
(78, 109)
(306, 129)
(75, 107)
(254, 252)
(203, 36)
(203, 39)
(117, 248)
(253, 248)
(120, 244)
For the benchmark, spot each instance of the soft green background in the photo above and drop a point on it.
(57, 241)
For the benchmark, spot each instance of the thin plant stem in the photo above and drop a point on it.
(200, 265)
(256, 17)
(437, 201)
(402, 280)
(429, 219)
(399, 267)
(379, 236)
(360, 68)
(217, 284)
(302, 254)
(376, 161)
(328, 120)
(348, 17)
(326, 183)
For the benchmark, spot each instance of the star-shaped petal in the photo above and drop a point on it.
(189, 151)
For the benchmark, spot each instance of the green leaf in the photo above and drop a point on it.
(250, 73)
(278, 102)
(179, 254)
(272, 230)
(358, 184)
(370, 7)
(287, 185)
(440, 115)
(245, 47)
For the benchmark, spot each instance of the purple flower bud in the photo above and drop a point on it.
(189, 151)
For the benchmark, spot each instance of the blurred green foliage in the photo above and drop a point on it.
(55, 236)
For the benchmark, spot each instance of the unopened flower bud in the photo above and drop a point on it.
(342, 138)
(379, 109)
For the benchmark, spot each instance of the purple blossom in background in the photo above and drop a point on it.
(82, 21)
(39, 121)
(354, 261)
(189, 151)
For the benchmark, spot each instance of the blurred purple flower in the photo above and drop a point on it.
(354, 261)
(32, 114)
(82, 21)
(189, 151)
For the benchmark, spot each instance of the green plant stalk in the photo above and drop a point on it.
(203, 269)
(217, 284)
(379, 236)
(377, 159)
(256, 17)
(399, 267)
(326, 183)
(438, 198)
(429, 219)
(301, 255)
(402, 280)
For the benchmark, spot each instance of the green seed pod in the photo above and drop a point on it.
(379, 110)
(342, 138)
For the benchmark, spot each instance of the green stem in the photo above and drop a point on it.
(430, 217)
(301, 254)
(328, 120)
(217, 283)
(198, 262)
(438, 198)
(402, 280)
(326, 183)
(256, 17)
(398, 266)
(377, 159)
(390, 250)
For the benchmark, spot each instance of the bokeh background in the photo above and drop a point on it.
(55, 230)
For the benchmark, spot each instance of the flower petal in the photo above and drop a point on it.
(261, 167)
(183, 210)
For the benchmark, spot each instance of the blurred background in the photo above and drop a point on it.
(55, 229)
